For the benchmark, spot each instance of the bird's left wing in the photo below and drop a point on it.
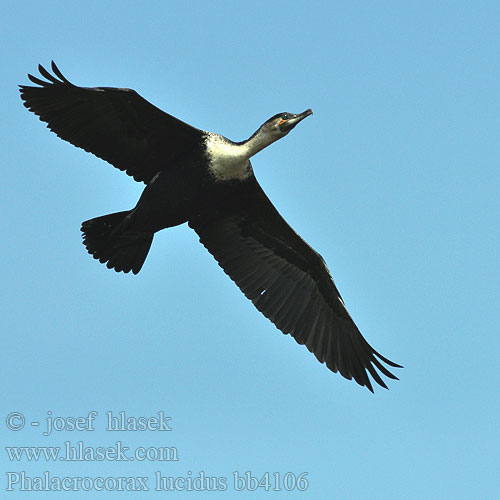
(115, 124)
(286, 280)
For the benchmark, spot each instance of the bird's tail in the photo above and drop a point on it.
(109, 239)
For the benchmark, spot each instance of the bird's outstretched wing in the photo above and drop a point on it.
(287, 281)
(117, 125)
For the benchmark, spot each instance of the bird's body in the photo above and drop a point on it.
(206, 180)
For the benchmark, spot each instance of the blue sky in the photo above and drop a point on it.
(394, 180)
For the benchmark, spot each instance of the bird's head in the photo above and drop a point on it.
(273, 129)
(279, 125)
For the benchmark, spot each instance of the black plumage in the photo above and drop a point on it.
(206, 180)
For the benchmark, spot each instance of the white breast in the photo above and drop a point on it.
(227, 161)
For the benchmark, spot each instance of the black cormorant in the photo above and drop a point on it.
(206, 180)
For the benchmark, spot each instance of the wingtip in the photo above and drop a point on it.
(387, 361)
(58, 72)
(51, 79)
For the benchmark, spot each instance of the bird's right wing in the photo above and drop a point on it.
(115, 124)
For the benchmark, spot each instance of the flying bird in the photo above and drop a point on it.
(206, 180)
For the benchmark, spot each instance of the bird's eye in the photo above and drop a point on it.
(285, 116)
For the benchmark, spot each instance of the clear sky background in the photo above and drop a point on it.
(394, 180)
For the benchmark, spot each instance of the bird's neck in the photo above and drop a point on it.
(257, 142)
(230, 160)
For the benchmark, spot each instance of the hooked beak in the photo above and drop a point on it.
(287, 125)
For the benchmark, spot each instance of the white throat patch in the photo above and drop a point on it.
(227, 161)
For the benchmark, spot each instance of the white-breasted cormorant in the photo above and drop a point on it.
(206, 180)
